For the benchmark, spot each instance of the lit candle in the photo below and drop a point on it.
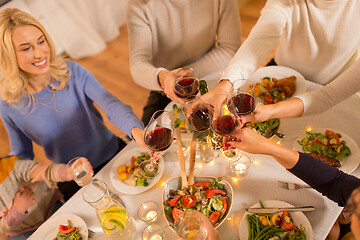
(151, 216)
(240, 169)
(156, 237)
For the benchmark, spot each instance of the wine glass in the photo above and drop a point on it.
(224, 123)
(186, 84)
(158, 137)
(243, 98)
(201, 116)
(190, 227)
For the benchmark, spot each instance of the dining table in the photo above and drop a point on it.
(260, 182)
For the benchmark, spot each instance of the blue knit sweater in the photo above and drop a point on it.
(76, 129)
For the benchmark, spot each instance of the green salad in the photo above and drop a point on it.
(267, 128)
(328, 144)
(67, 232)
(209, 197)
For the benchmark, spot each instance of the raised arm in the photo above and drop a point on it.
(331, 182)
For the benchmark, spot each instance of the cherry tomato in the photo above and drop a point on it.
(176, 214)
(65, 229)
(173, 201)
(189, 200)
(286, 221)
(205, 185)
(333, 135)
(211, 192)
(214, 217)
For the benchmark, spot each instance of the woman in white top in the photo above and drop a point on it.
(318, 38)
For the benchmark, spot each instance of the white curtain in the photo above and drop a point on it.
(79, 28)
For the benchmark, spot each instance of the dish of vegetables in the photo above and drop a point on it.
(278, 226)
(127, 163)
(62, 227)
(68, 232)
(267, 128)
(332, 143)
(209, 195)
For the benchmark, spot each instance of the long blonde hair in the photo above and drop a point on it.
(14, 81)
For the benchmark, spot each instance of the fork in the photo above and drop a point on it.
(91, 233)
(291, 186)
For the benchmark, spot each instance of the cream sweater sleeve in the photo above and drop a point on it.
(333, 93)
(228, 40)
(140, 47)
(259, 44)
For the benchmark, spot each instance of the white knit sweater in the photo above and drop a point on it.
(168, 34)
(318, 38)
(333, 93)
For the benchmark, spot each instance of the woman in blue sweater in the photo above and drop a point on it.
(49, 101)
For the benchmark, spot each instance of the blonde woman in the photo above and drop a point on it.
(49, 101)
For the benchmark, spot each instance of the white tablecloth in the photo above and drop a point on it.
(259, 183)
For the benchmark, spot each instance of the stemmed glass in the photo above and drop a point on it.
(225, 123)
(201, 116)
(242, 103)
(243, 98)
(186, 84)
(158, 137)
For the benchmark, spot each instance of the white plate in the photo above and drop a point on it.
(125, 158)
(298, 217)
(49, 229)
(280, 72)
(349, 163)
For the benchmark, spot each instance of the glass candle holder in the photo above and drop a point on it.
(149, 211)
(241, 167)
(153, 232)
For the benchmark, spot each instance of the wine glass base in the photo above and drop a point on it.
(231, 155)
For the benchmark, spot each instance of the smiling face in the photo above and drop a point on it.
(32, 50)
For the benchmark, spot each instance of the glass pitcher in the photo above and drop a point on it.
(114, 219)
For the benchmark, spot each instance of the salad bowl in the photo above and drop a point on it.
(175, 184)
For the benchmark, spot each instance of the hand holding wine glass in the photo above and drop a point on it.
(186, 84)
(200, 117)
(158, 136)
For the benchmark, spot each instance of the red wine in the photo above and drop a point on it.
(243, 103)
(159, 139)
(187, 88)
(200, 118)
(225, 125)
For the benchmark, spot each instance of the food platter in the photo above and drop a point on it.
(51, 227)
(349, 163)
(175, 183)
(280, 72)
(298, 217)
(125, 158)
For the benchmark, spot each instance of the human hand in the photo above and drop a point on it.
(24, 199)
(260, 114)
(72, 167)
(224, 88)
(249, 141)
(211, 232)
(167, 82)
(139, 137)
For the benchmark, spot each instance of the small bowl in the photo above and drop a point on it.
(175, 183)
